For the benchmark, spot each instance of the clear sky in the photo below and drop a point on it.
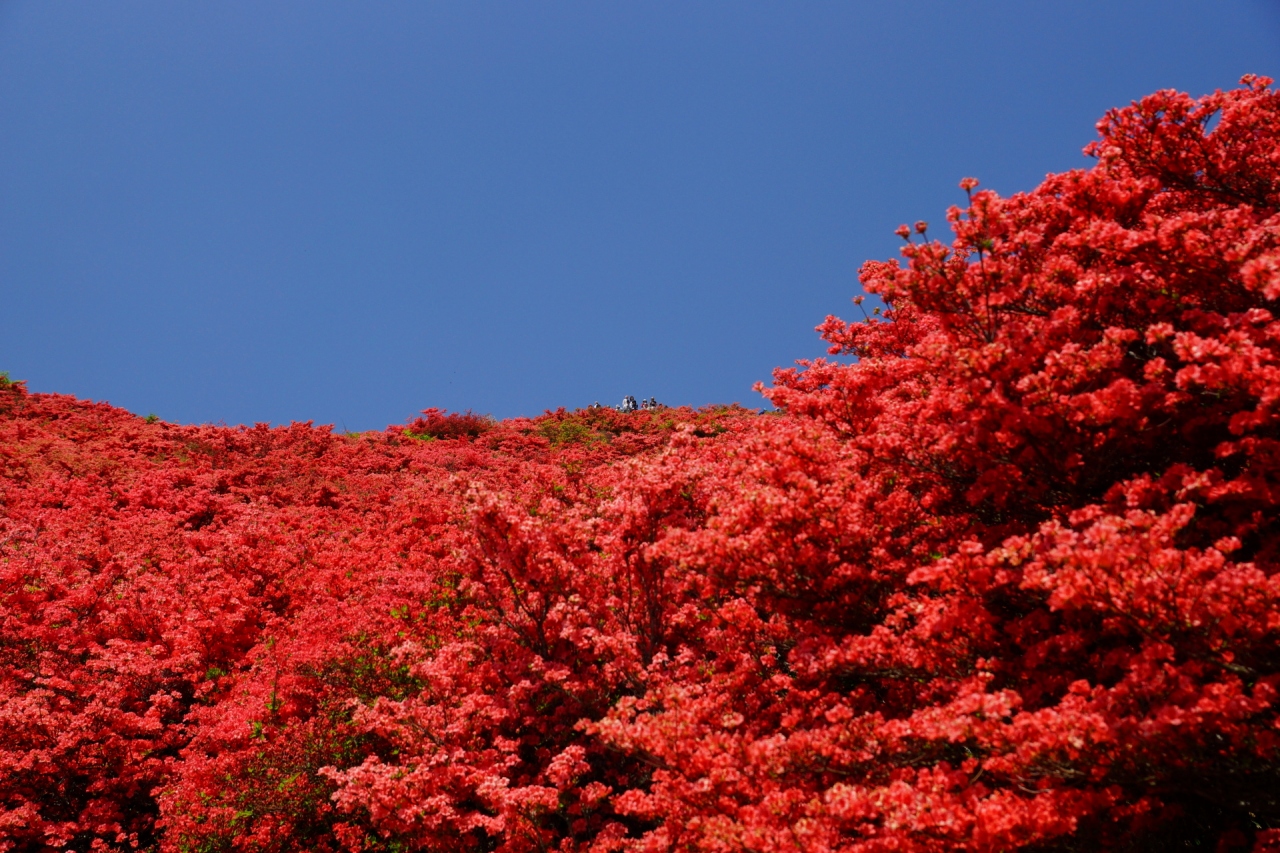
(346, 212)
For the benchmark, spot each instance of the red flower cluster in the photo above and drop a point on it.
(1009, 577)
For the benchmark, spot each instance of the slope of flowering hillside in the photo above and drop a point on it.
(1004, 576)
(148, 569)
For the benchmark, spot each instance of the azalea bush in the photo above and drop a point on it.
(1003, 573)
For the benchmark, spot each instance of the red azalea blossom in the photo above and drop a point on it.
(1007, 578)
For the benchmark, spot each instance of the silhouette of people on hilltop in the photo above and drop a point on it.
(629, 404)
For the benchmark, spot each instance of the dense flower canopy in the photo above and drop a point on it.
(1003, 574)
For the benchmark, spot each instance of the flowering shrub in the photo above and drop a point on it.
(1004, 576)
(437, 423)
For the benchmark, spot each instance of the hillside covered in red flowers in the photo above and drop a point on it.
(1005, 574)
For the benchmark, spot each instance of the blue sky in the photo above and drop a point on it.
(263, 211)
